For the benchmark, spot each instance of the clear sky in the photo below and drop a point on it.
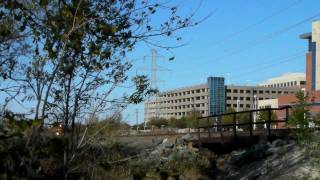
(246, 41)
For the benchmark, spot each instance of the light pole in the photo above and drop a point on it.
(255, 112)
(228, 78)
(238, 106)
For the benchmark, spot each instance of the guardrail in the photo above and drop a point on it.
(216, 121)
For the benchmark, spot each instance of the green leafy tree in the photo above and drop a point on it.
(158, 122)
(228, 119)
(243, 118)
(300, 118)
(192, 119)
(178, 123)
(263, 116)
(65, 59)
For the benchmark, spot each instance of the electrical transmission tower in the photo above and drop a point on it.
(154, 69)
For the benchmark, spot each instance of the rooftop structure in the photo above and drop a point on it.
(286, 80)
(312, 86)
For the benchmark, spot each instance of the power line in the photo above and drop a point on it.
(267, 62)
(268, 37)
(261, 68)
(155, 68)
(234, 34)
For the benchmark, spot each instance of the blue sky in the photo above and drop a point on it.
(246, 41)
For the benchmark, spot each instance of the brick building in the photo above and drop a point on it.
(312, 87)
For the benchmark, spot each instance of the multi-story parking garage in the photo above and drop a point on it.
(208, 99)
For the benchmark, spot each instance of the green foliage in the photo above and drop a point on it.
(263, 116)
(158, 122)
(228, 119)
(20, 160)
(300, 118)
(65, 58)
(107, 127)
(178, 123)
(192, 119)
(243, 118)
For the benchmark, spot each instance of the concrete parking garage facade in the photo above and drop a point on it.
(178, 103)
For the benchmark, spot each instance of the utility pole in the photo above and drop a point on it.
(228, 78)
(255, 112)
(238, 106)
(137, 121)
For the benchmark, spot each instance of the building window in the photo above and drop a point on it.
(248, 98)
(273, 92)
(229, 90)
(228, 98)
(235, 91)
(241, 91)
(302, 82)
(198, 90)
(260, 92)
(260, 98)
(197, 105)
(285, 92)
(203, 90)
(254, 91)
(241, 98)
(248, 106)
(235, 98)
(241, 105)
(228, 105)
(268, 92)
(234, 105)
(248, 91)
(279, 92)
(198, 98)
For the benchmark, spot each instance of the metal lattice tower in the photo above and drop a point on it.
(154, 69)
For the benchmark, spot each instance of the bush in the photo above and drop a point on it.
(158, 122)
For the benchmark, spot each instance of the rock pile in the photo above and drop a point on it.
(280, 159)
(174, 158)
